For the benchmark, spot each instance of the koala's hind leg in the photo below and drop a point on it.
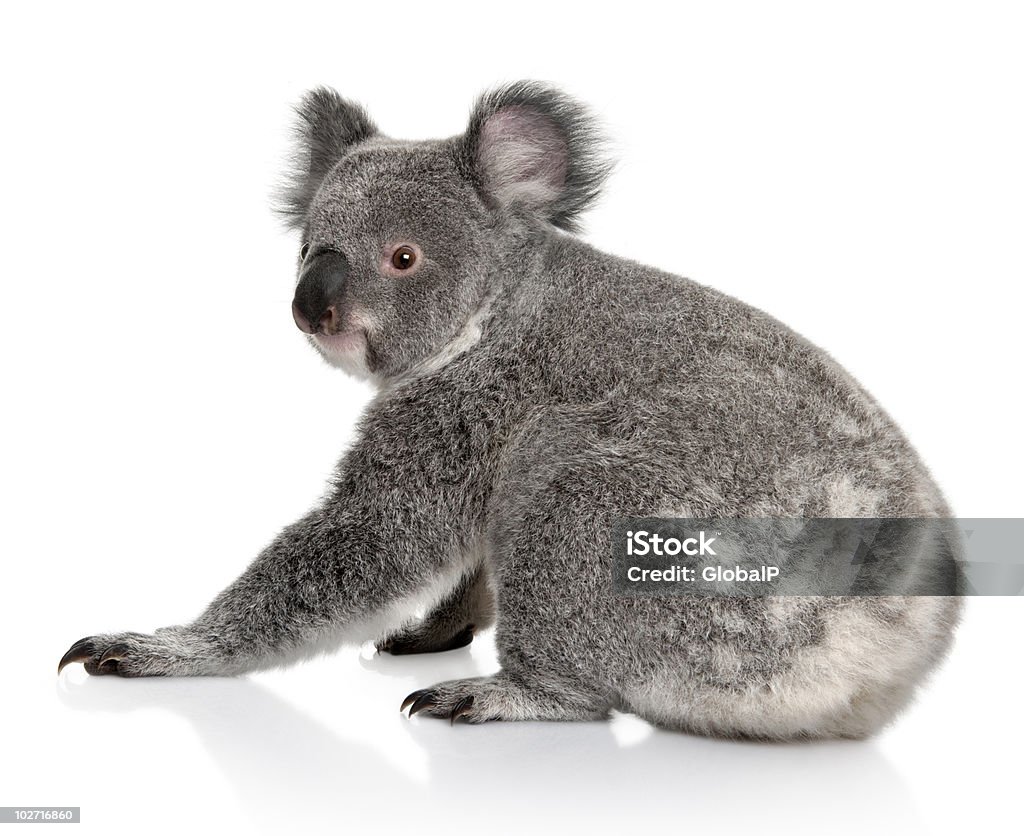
(453, 621)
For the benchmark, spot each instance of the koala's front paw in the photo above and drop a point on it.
(126, 654)
(447, 701)
(505, 697)
(424, 638)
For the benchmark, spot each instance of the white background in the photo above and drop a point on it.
(856, 171)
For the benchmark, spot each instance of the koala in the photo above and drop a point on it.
(529, 390)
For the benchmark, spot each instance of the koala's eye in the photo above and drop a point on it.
(400, 260)
(304, 251)
(403, 258)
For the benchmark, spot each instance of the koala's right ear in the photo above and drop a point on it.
(326, 128)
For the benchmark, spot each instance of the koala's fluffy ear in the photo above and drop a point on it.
(531, 146)
(326, 128)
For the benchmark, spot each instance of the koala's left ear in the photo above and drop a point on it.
(327, 128)
(531, 146)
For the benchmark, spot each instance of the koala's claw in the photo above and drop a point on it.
(462, 708)
(429, 700)
(80, 651)
(114, 654)
(99, 658)
(418, 700)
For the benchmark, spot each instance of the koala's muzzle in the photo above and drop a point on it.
(318, 296)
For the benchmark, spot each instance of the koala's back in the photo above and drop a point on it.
(760, 421)
(662, 397)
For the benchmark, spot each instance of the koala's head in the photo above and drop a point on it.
(403, 241)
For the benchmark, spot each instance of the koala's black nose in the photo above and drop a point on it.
(318, 296)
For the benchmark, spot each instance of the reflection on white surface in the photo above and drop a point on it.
(353, 759)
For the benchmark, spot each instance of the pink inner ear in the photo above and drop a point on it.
(523, 155)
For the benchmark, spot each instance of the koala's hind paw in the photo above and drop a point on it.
(423, 640)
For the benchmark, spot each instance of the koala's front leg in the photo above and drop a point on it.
(345, 573)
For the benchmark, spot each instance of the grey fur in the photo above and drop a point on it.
(531, 389)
